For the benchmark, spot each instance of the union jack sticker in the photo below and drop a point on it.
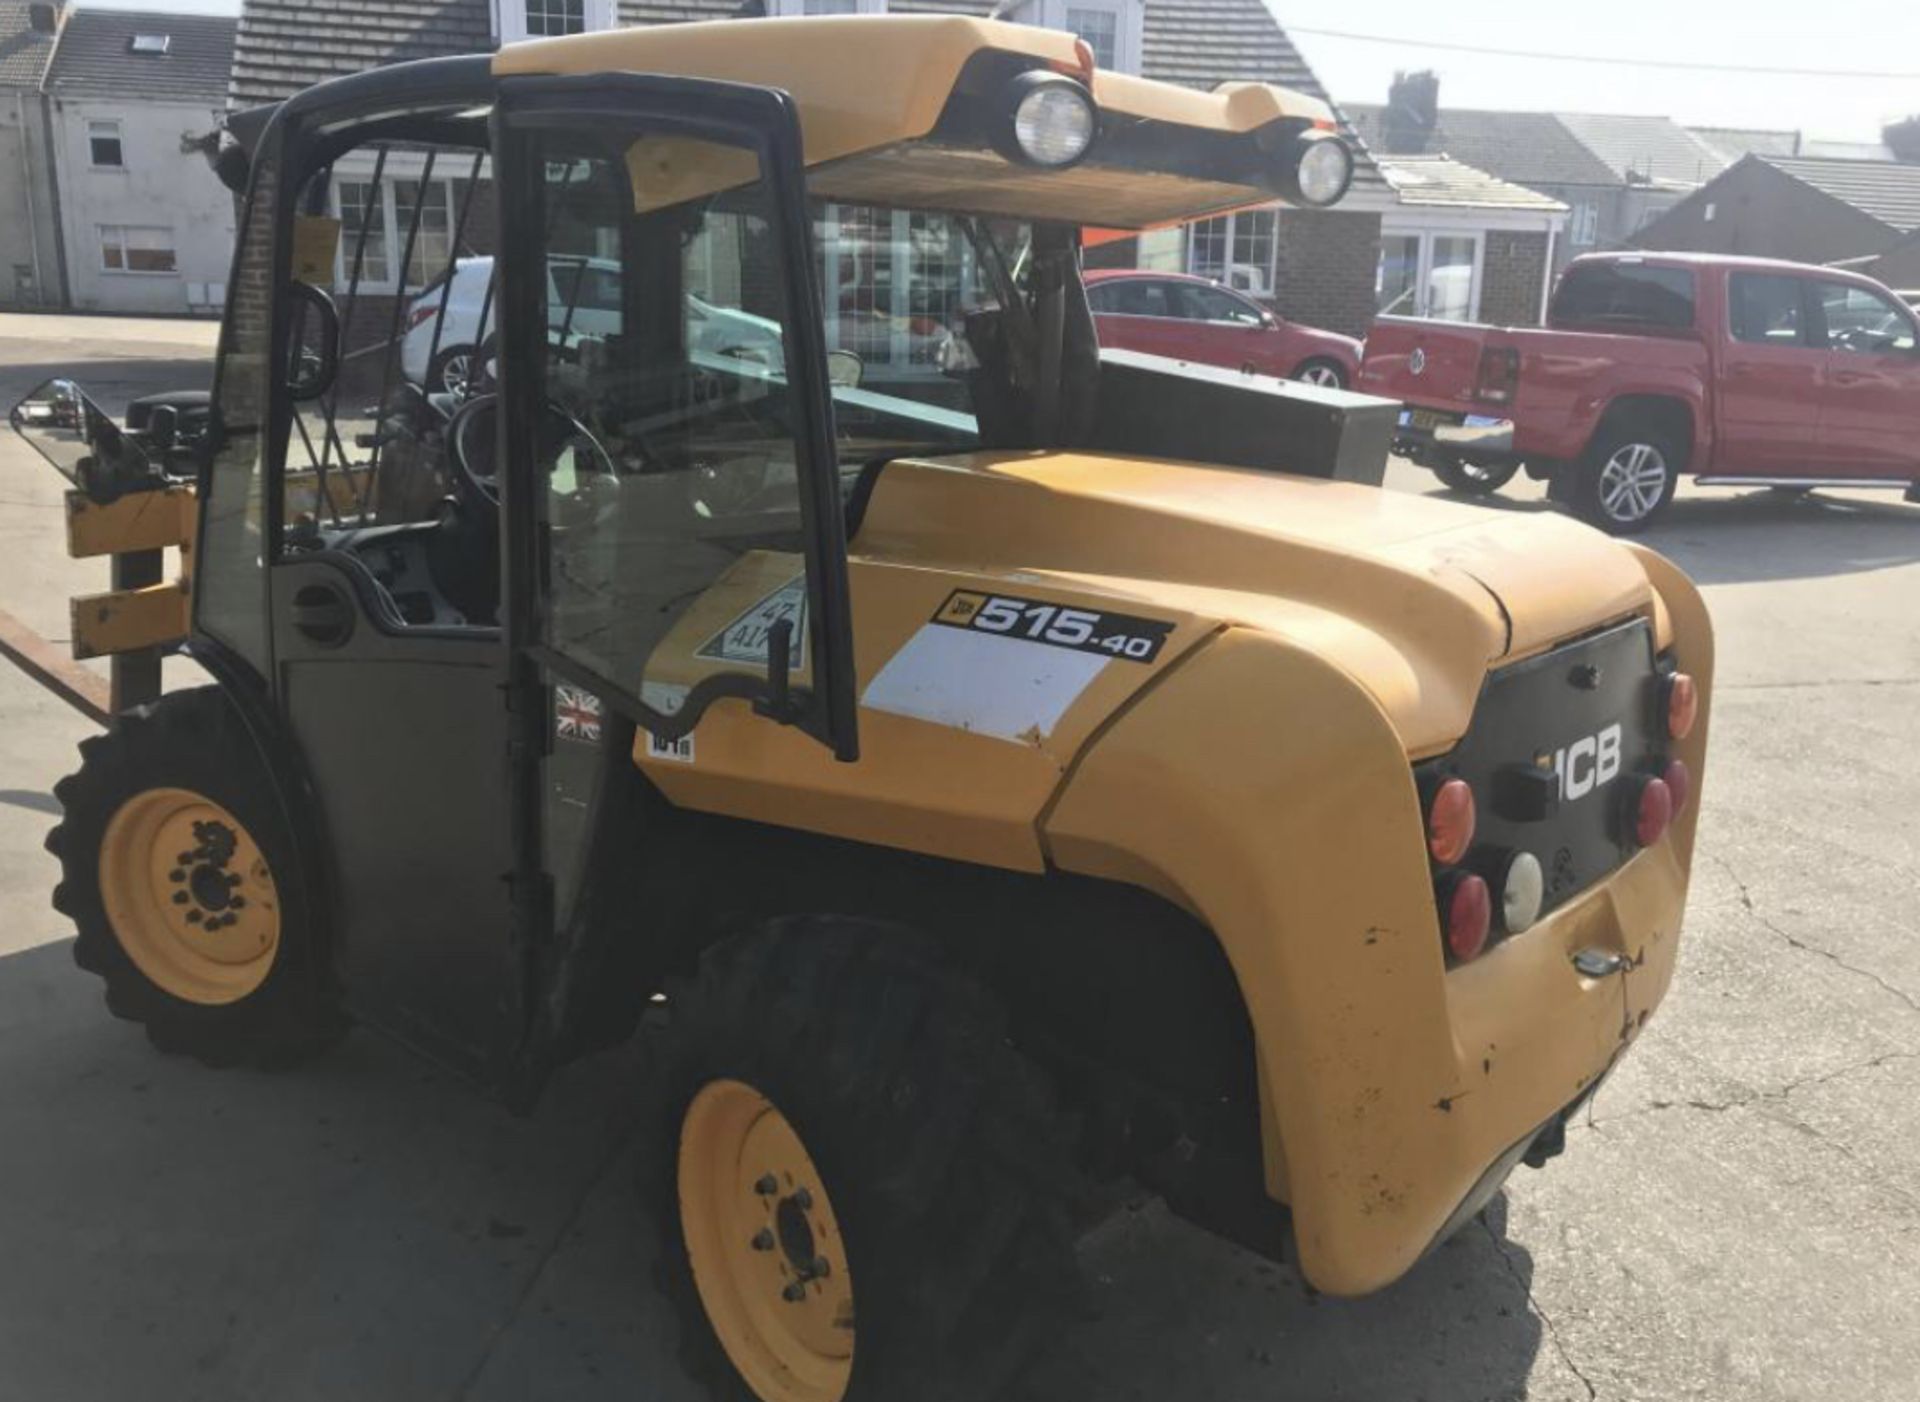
(576, 715)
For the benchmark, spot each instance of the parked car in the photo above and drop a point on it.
(1739, 371)
(583, 299)
(1192, 318)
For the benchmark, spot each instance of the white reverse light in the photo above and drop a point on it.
(1522, 890)
(1053, 122)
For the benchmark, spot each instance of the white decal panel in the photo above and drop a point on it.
(1012, 688)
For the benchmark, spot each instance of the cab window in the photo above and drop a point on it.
(1198, 302)
(1131, 297)
(1860, 321)
(1766, 309)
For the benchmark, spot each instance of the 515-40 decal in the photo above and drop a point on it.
(1080, 629)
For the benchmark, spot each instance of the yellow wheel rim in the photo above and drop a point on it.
(190, 897)
(767, 1254)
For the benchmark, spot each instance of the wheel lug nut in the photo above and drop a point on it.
(184, 858)
(238, 901)
(819, 1268)
(193, 917)
(181, 898)
(803, 1200)
(767, 1186)
(794, 1293)
(176, 876)
(762, 1240)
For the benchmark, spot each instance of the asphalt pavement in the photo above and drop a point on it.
(1737, 1216)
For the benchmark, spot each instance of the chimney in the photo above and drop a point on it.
(1903, 139)
(43, 17)
(1413, 111)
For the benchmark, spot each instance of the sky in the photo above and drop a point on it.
(1853, 36)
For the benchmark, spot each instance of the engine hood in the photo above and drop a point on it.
(1413, 596)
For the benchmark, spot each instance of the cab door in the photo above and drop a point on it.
(673, 519)
(1772, 377)
(1871, 401)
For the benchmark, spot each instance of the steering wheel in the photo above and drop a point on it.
(473, 434)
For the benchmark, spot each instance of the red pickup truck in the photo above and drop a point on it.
(1737, 371)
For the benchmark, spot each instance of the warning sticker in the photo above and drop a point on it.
(745, 640)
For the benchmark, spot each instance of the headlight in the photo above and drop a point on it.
(1049, 121)
(1322, 168)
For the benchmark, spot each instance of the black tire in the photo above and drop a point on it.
(192, 740)
(1329, 374)
(450, 359)
(1627, 478)
(1473, 479)
(948, 1166)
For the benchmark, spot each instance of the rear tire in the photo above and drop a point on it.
(937, 1151)
(1328, 374)
(1473, 479)
(1627, 479)
(451, 371)
(181, 878)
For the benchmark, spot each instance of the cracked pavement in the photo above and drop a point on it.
(1737, 1215)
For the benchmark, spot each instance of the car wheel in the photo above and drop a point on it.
(451, 372)
(1627, 478)
(1473, 479)
(1328, 374)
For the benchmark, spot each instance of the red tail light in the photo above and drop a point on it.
(418, 313)
(1653, 810)
(1466, 906)
(1683, 705)
(1679, 781)
(1450, 820)
(1499, 375)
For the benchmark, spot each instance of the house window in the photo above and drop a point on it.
(1101, 30)
(103, 146)
(1236, 249)
(1583, 231)
(136, 248)
(387, 215)
(1429, 273)
(552, 17)
(546, 19)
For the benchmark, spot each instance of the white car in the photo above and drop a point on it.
(583, 298)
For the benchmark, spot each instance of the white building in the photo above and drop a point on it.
(146, 226)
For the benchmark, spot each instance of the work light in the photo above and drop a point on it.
(1322, 168)
(1050, 120)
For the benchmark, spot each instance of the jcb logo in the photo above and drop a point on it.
(1588, 763)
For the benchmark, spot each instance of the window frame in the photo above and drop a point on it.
(118, 138)
(1228, 226)
(392, 229)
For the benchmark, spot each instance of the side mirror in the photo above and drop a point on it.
(313, 353)
(82, 442)
(845, 369)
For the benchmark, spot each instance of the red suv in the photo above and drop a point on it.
(1191, 318)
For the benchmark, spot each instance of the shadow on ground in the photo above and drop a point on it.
(367, 1227)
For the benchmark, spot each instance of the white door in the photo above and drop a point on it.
(1429, 273)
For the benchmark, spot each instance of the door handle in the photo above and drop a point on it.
(322, 614)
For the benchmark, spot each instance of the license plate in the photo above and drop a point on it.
(1426, 419)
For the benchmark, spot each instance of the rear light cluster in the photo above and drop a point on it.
(1481, 891)
(1499, 375)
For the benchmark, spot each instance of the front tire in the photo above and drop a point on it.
(1473, 479)
(1627, 479)
(180, 876)
(452, 371)
(842, 1135)
(1328, 374)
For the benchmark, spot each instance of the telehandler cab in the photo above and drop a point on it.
(975, 760)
